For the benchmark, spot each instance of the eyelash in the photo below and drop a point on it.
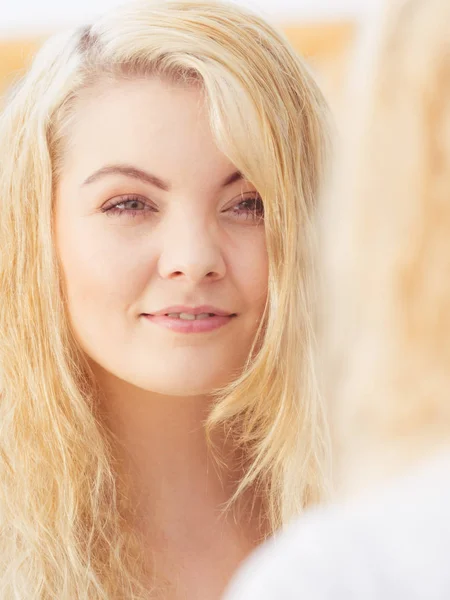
(258, 210)
(114, 210)
(256, 213)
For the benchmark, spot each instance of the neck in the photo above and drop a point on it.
(163, 453)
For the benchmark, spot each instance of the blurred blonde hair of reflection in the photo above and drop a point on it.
(386, 249)
(63, 515)
(385, 330)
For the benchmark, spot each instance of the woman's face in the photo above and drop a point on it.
(153, 220)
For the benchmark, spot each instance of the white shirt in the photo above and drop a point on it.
(391, 545)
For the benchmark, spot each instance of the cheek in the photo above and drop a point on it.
(96, 269)
(249, 265)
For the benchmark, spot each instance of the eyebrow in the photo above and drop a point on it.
(135, 173)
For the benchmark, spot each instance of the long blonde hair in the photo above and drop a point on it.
(386, 249)
(63, 521)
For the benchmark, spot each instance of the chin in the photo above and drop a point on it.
(192, 384)
(175, 382)
(186, 375)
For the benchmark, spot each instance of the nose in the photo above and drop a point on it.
(192, 251)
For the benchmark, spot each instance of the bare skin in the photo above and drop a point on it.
(193, 546)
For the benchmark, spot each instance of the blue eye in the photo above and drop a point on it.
(133, 206)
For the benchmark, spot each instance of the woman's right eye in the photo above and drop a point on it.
(130, 206)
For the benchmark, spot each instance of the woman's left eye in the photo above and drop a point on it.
(250, 208)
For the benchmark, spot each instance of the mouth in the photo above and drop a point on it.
(190, 320)
(187, 316)
(190, 313)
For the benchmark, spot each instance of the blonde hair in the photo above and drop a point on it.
(63, 519)
(386, 248)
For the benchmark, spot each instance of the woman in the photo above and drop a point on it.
(160, 413)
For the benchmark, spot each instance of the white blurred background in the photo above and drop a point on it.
(18, 17)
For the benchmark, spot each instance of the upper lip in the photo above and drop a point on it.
(192, 310)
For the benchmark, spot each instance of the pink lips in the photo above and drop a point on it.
(219, 319)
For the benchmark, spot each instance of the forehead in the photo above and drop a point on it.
(147, 122)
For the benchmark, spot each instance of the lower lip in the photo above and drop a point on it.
(185, 326)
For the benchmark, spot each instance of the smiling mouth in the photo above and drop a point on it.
(188, 322)
(192, 317)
